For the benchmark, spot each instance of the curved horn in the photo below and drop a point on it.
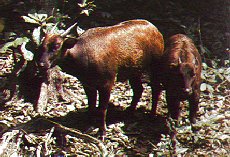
(68, 30)
(179, 60)
(54, 27)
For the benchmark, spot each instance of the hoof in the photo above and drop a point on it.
(153, 113)
(102, 138)
(131, 109)
(102, 135)
(93, 113)
(192, 120)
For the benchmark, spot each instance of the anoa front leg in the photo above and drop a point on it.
(91, 94)
(173, 104)
(104, 96)
(193, 106)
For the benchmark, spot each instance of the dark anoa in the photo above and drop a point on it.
(126, 50)
(181, 75)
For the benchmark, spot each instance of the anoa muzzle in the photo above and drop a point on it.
(186, 72)
(51, 51)
(51, 48)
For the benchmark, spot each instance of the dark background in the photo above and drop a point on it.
(207, 22)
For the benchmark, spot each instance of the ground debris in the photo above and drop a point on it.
(64, 128)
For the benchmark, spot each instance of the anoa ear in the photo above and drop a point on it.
(173, 65)
(69, 43)
(195, 62)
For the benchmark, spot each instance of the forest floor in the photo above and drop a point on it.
(64, 128)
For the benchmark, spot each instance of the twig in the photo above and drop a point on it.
(200, 40)
(22, 130)
(48, 138)
(155, 147)
(43, 99)
(199, 33)
(86, 137)
(217, 87)
(3, 66)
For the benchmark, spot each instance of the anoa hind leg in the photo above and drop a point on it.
(156, 91)
(136, 85)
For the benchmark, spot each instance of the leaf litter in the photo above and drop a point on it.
(65, 129)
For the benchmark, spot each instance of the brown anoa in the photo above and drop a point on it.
(126, 50)
(181, 75)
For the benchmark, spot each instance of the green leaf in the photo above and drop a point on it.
(28, 55)
(203, 87)
(205, 66)
(42, 17)
(86, 12)
(210, 88)
(17, 42)
(33, 16)
(38, 17)
(83, 4)
(206, 87)
(30, 20)
(37, 35)
(181, 150)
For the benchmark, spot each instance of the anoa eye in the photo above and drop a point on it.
(57, 45)
(54, 47)
(192, 73)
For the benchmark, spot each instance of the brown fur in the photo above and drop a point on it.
(181, 74)
(128, 49)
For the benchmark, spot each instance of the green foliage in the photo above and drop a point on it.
(37, 35)
(43, 24)
(15, 43)
(28, 55)
(35, 18)
(87, 7)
